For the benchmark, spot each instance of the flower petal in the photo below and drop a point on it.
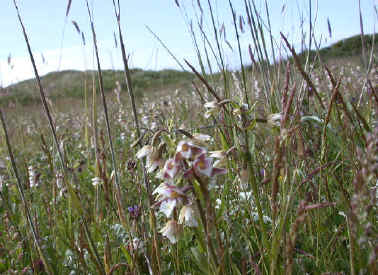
(144, 151)
(171, 168)
(203, 165)
(167, 207)
(171, 230)
(188, 216)
(218, 171)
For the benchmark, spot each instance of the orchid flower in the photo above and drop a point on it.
(188, 216)
(274, 120)
(212, 108)
(171, 230)
(203, 165)
(168, 196)
(188, 150)
(153, 155)
(171, 167)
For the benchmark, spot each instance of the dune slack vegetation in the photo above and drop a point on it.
(267, 169)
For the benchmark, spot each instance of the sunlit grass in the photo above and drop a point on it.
(245, 172)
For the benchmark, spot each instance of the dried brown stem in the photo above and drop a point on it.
(303, 73)
(209, 88)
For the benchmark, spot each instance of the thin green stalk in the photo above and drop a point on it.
(204, 222)
(166, 48)
(92, 246)
(114, 163)
(46, 264)
(270, 31)
(95, 138)
(195, 43)
(351, 248)
(48, 114)
(41, 91)
(262, 38)
(206, 43)
(303, 73)
(128, 80)
(362, 35)
(49, 117)
(226, 90)
(255, 38)
(257, 200)
(240, 54)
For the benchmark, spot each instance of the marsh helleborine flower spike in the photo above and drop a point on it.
(171, 230)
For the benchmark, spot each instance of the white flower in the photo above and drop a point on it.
(171, 230)
(211, 104)
(204, 165)
(218, 203)
(138, 244)
(96, 181)
(188, 150)
(201, 137)
(169, 197)
(245, 195)
(2, 183)
(274, 119)
(153, 157)
(212, 108)
(167, 206)
(32, 177)
(171, 168)
(217, 154)
(153, 161)
(220, 155)
(144, 151)
(188, 216)
(255, 217)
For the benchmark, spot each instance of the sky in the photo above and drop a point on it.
(56, 45)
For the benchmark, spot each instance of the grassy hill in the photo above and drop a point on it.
(349, 47)
(71, 83)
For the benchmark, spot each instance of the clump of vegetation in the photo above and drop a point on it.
(271, 170)
(72, 84)
(350, 48)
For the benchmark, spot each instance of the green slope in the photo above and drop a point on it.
(71, 84)
(349, 47)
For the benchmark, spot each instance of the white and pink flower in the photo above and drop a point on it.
(188, 150)
(188, 216)
(153, 155)
(171, 230)
(171, 168)
(203, 165)
(169, 196)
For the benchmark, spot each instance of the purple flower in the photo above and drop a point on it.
(134, 211)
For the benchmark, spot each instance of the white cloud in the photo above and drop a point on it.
(20, 67)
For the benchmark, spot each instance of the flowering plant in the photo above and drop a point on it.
(191, 162)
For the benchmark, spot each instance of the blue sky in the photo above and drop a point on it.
(53, 35)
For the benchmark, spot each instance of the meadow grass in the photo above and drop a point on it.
(270, 169)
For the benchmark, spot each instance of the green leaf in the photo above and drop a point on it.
(127, 256)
